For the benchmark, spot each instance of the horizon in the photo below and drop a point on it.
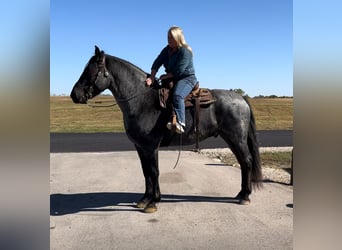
(110, 94)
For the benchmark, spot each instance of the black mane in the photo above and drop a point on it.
(125, 62)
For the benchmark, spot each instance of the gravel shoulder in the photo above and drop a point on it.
(270, 173)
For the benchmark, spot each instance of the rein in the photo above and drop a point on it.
(114, 103)
(101, 106)
(128, 98)
(110, 105)
(179, 151)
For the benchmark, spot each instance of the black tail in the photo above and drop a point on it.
(253, 146)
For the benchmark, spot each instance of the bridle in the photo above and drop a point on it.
(101, 65)
(103, 72)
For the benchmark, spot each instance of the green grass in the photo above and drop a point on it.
(65, 116)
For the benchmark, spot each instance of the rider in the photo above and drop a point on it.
(177, 60)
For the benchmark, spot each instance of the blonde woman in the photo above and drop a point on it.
(176, 57)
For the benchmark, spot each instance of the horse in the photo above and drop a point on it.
(229, 117)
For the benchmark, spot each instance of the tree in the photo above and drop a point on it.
(238, 91)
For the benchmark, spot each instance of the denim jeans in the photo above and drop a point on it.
(182, 89)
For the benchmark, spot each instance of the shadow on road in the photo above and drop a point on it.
(62, 204)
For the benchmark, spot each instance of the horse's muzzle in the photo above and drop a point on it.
(78, 99)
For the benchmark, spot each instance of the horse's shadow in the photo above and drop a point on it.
(62, 204)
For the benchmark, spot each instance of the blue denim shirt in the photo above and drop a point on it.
(180, 64)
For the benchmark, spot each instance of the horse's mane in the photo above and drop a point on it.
(126, 63)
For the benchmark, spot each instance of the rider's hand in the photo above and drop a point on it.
(149, 81)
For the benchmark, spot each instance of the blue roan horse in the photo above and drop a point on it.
(145, 122)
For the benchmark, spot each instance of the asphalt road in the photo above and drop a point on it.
(107, 142)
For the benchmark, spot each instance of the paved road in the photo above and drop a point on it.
(92, 197)
(107, 142)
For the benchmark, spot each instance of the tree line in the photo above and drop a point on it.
(241, 92)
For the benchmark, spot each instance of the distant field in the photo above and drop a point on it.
(65, 116)
(273, 113)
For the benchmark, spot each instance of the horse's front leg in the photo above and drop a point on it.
(149, 163)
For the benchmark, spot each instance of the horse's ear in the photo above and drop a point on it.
(97, 51)
(102, 58)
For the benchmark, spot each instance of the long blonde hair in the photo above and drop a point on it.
(177, 34)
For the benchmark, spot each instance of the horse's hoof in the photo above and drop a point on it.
(245, 202)
(141, 204)
(150, 208)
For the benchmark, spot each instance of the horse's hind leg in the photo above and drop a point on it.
(239, 147)
(149, 163)
(245, 160)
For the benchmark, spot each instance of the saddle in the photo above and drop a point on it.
(201, 95)
(197, 98)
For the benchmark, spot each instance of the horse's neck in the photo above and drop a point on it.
(126, 78)
(128, 87)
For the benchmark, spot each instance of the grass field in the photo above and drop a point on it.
(65, 116)
(273, 113)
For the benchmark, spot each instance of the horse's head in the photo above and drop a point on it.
(94, 79)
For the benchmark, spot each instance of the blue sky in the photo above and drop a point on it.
(237, 43)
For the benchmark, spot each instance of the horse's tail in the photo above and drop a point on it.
(253, 146)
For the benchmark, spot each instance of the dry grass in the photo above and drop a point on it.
(65, 116)
(268, 159)
(273, 113)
